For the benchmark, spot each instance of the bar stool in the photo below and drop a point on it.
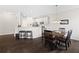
(28, 34)
(25, 35)
(22, 34)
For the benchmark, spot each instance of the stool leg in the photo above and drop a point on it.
(17, 36)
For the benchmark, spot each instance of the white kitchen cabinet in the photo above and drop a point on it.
(36, 31)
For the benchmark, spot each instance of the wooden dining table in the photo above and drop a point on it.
(52, 37)
(56, 34)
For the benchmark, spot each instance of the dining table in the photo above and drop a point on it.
(56, 33)
(53, 36)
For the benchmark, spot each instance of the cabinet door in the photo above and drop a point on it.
(36, 32)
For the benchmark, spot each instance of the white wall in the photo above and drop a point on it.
(9, 22)
(8, 25)
(73, 16)
(8, 19)
(64, 8)
(38, 10)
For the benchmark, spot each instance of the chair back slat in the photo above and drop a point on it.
(47, 34)
(69, 34)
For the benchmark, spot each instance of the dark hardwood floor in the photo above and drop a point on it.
(8, 44)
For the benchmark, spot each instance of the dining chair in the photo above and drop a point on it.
(65, 41)
(49, 40)
(46, 36)
(62, 29)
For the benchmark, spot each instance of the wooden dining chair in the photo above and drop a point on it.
(65, 40)
(47, 36)
(62, 29)
(49, 40)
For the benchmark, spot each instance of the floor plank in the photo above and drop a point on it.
(8, 44)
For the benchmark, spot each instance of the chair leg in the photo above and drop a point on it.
(17, 36)
(66, 47)
(46, 43)
(69, 41)
(57, 44)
